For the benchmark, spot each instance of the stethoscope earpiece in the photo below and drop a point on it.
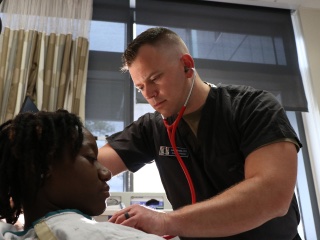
(186, 69)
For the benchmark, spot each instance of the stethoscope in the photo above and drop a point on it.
(171, 130)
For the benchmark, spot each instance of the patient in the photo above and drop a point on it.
(50, 173)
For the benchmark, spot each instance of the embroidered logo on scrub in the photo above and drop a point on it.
(168, 151)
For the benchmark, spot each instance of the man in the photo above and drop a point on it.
(237, 151)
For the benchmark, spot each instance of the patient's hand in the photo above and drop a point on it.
(19, 226)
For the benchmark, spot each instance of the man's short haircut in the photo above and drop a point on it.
(152, 36)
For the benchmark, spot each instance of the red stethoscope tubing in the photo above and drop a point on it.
(171, 130)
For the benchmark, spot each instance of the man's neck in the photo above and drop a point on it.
(198, 97)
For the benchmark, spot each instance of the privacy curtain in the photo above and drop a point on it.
(44, 54)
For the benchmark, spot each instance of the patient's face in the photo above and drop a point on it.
(80, 183)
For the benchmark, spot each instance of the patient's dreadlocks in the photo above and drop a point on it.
(29, 144)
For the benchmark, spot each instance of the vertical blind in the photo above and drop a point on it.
(234, 44)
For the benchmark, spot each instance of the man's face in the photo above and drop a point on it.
(159, 75)
(80, 183)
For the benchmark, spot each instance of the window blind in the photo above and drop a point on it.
(234, 44)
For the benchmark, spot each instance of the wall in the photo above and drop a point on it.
(309, 20)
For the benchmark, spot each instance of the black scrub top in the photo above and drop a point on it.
(235, 121)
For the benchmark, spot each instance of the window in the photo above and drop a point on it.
(109, 94)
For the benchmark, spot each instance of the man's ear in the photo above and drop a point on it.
(187, 62)
(188, 65)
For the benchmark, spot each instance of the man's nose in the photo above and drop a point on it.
(150, 91)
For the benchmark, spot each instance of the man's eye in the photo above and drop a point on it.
(154, 79)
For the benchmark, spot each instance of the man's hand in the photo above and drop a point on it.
(142, 218)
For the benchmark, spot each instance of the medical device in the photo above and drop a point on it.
(171, 129)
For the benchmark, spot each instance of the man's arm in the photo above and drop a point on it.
(266, 193)
(111, 160)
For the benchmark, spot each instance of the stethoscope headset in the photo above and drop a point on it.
(171, 130)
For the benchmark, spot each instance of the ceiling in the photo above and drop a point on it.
(287, 4)
(311, 3)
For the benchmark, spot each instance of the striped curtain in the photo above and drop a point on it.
(44, 54)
